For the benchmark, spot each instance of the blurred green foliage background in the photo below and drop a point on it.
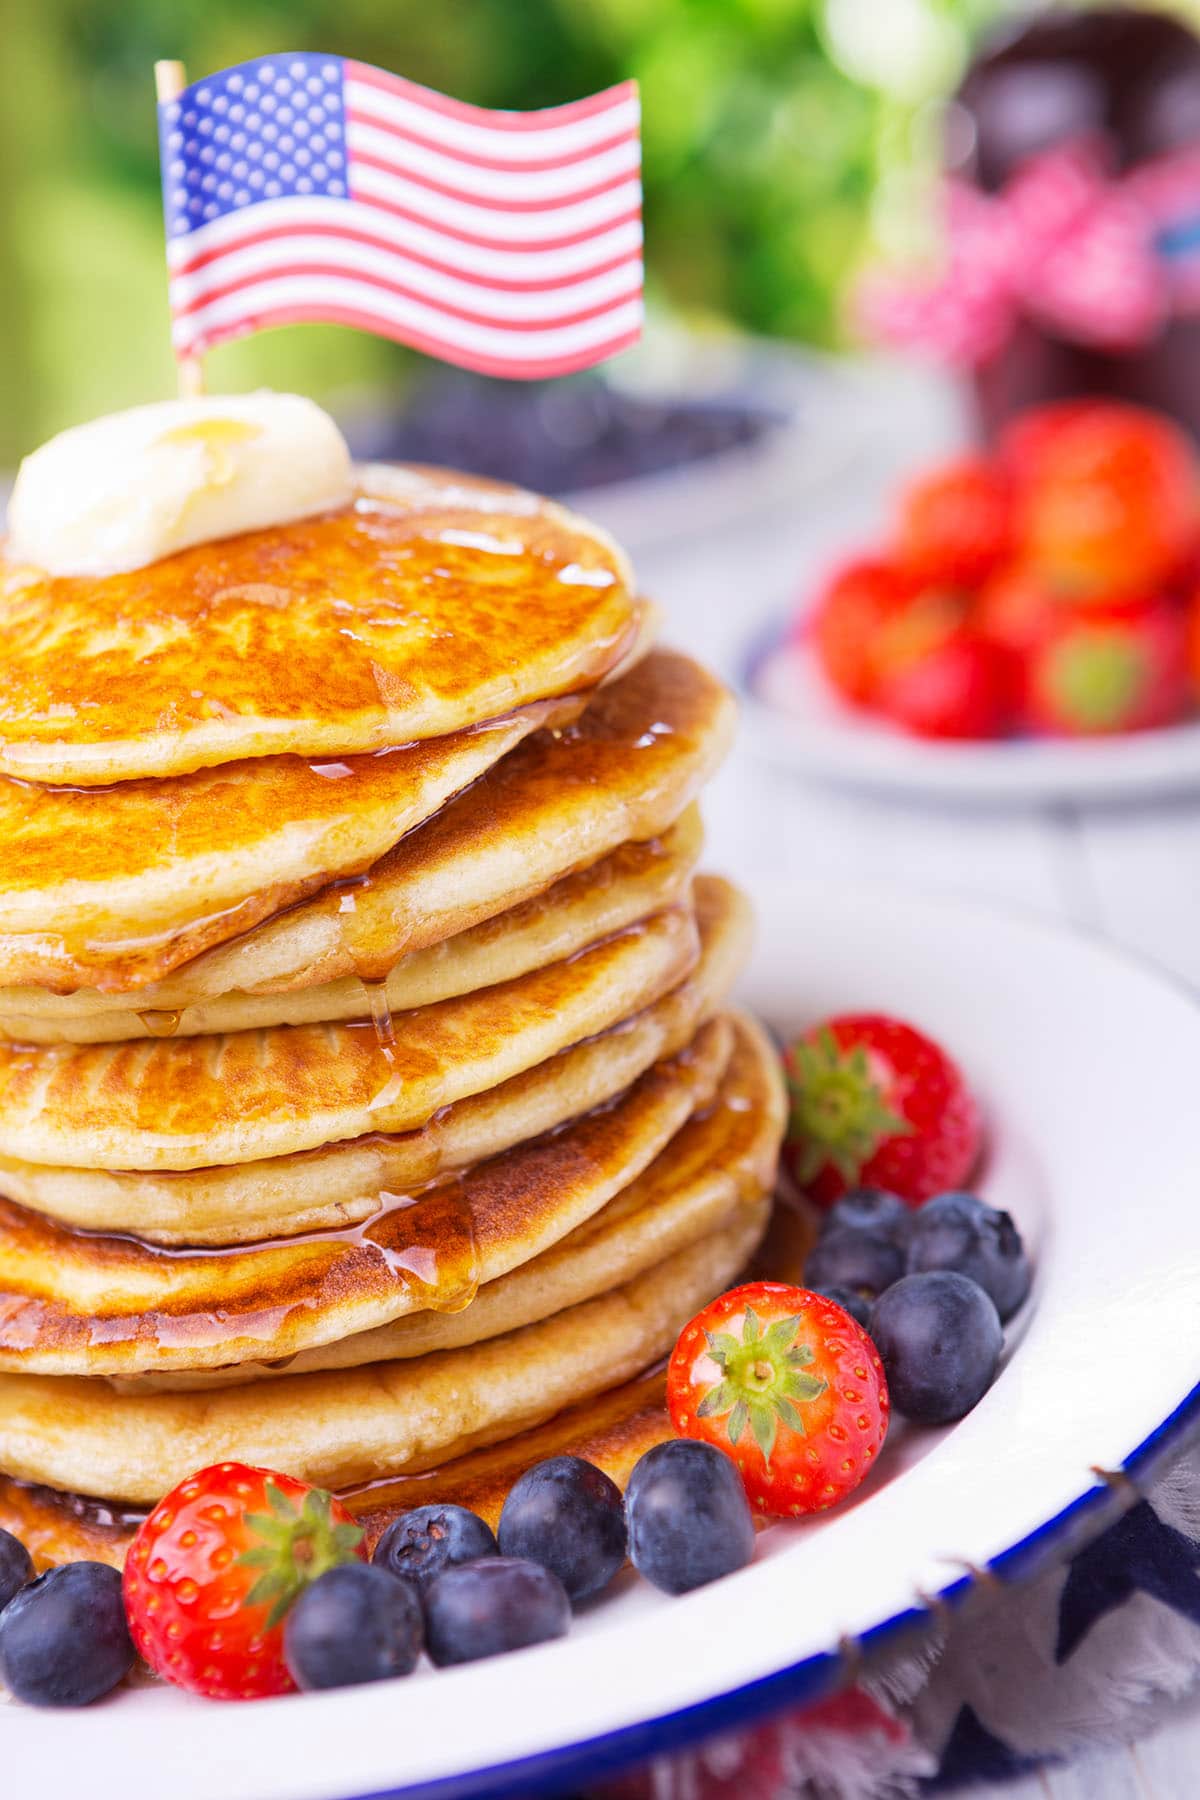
(781, 137)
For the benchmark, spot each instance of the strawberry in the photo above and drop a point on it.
(961, 687)
(876, 1103)
(1108, 497)
(845, 625)
(1015, 610)
(1026, 442)
(926, 619)
(1110, 669)
(1013, 613)
(215, 1568)
(954, 524)
(1193, 640)
(788, 1385)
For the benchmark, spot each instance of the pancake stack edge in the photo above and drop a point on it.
(369, 1110)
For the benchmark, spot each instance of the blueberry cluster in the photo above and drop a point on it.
(443, 1581)
(63, 1636)
(933, 1287)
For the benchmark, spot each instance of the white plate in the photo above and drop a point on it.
(1086, 1062)
(795, 718)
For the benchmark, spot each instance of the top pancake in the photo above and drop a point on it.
(433, 602)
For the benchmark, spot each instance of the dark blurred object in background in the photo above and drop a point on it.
(1131, 82)
(558, 436)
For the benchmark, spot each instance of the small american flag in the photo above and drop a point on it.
(306, 187)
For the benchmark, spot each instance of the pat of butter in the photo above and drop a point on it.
(128, 489)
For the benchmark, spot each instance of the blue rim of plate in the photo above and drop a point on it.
(601, 1758)
(1112, 1492)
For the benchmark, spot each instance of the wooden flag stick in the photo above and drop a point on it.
(170, 79)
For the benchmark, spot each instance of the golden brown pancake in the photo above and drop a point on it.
(190, 1102)
(559, 802)
(620, 1180)
(339, 1184)
(724, 1153)
(352, 1425)
(612, 1430)
(631, 883)
(85, 1303)
(114, 886)
(433, 602)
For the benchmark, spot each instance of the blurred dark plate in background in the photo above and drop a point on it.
(684, 434)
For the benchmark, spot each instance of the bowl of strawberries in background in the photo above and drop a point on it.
(1027, 627)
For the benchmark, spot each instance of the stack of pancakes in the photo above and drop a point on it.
(370, 1104)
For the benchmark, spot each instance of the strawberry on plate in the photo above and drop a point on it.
(1117, 668)
(215, 1569)
(788, 1385)
(1193, 641)
(961, 686)
(851, 610)
(955, 523)
(1108, 496)
(876, 1103)
(1015, 610)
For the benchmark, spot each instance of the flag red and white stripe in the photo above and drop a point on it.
(318, 188)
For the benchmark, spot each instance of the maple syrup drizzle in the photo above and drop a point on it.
(160, 1024)
(424, 1244)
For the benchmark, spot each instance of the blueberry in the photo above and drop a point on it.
(857, 1305)
(485, 1608)
(357, 1622)
(63, 1639)
(959, 1231)
(16, 1567)
(689, 1518)
(423, 1542)
(870, 1209)
(939, 1338)
(566, 1514)
(854, 1259)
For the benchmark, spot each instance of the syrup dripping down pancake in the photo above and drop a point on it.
(610, 1429)
(352, 1425)
(721, 1156)
(552, 1222)
(558, 802)
(432, 603)
(339, 1184)
(114, 886)
(632, 882)
(191, 1102)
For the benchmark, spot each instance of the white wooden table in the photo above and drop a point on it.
(1132, 872)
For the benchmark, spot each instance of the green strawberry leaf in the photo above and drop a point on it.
(790, 1417)
(804, 1387)
(765, 1428)
(839, 1112)
(719, 1399)
(721, 1346)
(778, 1341)
(279, 1503)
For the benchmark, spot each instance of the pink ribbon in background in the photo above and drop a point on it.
(1064, 243)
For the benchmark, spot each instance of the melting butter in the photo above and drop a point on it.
(133, 487)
